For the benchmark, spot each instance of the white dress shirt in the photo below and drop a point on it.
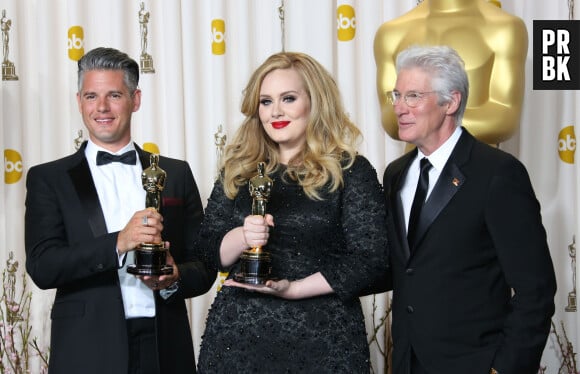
(121, 194)
(438, 159)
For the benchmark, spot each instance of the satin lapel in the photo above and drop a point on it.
(82, 180)
(399, 221)
(449, 183)
(397, 204)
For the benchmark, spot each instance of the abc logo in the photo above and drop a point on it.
(346, 22)
(218, 37)
(567, 144)
(76, 43)
(12, 166)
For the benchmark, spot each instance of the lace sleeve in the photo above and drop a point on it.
(364, 229)
(218, 220)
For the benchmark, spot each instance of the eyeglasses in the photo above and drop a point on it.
(411, 98)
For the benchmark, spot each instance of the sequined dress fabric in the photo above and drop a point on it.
(342, 236)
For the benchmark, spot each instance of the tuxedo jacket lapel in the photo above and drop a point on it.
(83, 183)
(399, 220)
(397, 203)
(82, 179)
(449, 183)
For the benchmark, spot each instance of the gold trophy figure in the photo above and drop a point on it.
(6, 24)
(220, 140)
(151, 258)
(572, 295)
(79, 140)
(146, 59)
(255, 262)
(8, 69)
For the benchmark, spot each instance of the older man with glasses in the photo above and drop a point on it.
(472, 278)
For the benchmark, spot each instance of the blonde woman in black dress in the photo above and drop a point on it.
(324, 230)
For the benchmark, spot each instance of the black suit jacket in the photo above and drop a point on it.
(68, 248)
(480, 236)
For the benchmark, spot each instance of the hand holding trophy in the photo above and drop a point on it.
(255, 262)
(151, 258)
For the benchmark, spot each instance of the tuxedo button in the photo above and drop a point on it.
(410, 309)
(100, 267)
(409, 271)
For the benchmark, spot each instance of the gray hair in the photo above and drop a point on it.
(109, 59)
(446, 68)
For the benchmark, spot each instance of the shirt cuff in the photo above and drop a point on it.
(167, 292)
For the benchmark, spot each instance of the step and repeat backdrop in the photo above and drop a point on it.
(196, 57)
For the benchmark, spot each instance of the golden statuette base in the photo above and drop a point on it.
(9, 71)
(147, 64)
(571, 302)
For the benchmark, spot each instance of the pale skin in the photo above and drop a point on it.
(284, 112)
(428, 125)
(106, 106)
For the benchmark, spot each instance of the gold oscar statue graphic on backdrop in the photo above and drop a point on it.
(79, 140)
(572, 305)
(146, 59)
(8, 69)
(493, 44)
(151, 258)
(255, 265)
(220, 139)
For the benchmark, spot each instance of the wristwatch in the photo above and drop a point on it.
(493, 371)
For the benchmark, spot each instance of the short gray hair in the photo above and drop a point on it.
(446, 68)
(109, 59)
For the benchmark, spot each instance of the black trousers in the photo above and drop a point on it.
(143, 353)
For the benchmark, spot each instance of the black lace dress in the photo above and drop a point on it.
(342, 236)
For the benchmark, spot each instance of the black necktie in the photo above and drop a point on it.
(129, 158)
(418, 201)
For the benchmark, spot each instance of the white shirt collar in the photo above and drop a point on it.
(441, 154)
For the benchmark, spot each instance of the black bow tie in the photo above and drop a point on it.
(129, 158)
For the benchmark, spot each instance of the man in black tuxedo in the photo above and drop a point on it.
(85, 214)
(473, 282)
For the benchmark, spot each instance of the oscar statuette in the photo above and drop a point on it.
(8, 69)
(255, 267)
(572, 307)
(151, 258)
(146, 59)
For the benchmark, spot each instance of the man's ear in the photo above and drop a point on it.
(453, 104)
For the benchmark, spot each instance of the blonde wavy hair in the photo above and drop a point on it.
(331, 137)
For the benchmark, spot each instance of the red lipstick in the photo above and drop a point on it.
(280, 124)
